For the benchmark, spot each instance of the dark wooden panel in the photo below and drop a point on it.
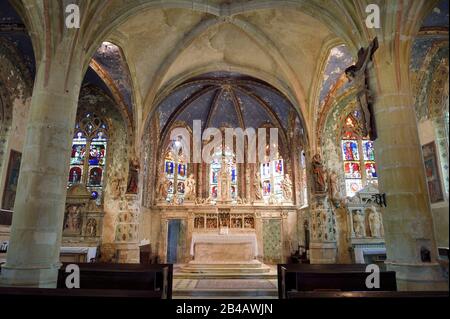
(148, 277)
(367, 294)
(337, 277)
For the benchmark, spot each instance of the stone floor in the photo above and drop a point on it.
(229, 285)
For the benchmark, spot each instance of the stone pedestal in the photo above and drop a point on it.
(127, 253)
(323, 253)
(323, 248)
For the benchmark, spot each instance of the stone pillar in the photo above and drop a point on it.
(323, 248)
(190, 230)
(407, 219)
(34, 248)
(259, 235)
(248, 180)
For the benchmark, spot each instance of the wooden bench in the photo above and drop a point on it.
(42, 294)
(337, 277)
(132, 277)
(366, 294)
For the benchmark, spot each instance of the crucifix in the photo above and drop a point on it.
(358, 74)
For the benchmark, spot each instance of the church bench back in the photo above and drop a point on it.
(339, 277)
(148, 277)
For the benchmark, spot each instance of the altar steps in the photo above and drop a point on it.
(253, 288)
(225, 294)
(252, 270)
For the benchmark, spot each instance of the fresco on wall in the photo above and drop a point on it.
(12, 178)
(338, 60)
(432, 173)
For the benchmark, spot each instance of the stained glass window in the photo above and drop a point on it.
(358, 155)
(88, 167)
(272, 175)
(221, 158)
(175, 168)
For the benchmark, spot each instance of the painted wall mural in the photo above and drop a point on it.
(432, 173)
(12, 178)
(272, 244)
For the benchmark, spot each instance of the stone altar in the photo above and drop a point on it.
(230, 248)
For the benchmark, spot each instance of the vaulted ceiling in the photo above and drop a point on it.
(223, 99)
(158, 45)
(168, 46)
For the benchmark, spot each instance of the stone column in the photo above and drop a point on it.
(33, 254)
(259, 235)
(190, 230)
(248, 180)
(407, 219)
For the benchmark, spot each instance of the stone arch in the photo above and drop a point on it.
(257, 74)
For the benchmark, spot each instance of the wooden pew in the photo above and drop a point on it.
(43, 294)
(133, 277)
(337, 277)
(366, 294)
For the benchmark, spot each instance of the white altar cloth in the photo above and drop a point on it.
(224, 239)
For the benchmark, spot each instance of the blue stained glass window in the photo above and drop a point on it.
(88, 154)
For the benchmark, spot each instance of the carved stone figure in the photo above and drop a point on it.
(375, 224)
(190, 192)
(73, 219)
(318, 174)
(257, 186)
(333, 186)
(287, 188)
(358, 74)
(133, 173)
(225, 183)
(91, 227)
(358, 224)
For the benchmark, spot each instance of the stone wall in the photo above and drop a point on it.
(15, 96)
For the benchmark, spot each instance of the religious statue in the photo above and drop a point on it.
(287, 188)
(375, 224)
(358, 224)
(224, 182)
(91, 227)
(333, 186)
(190, 188)
(318, 174)
(359, 75)
(73, 217)
(257, 186)
(133, 173)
